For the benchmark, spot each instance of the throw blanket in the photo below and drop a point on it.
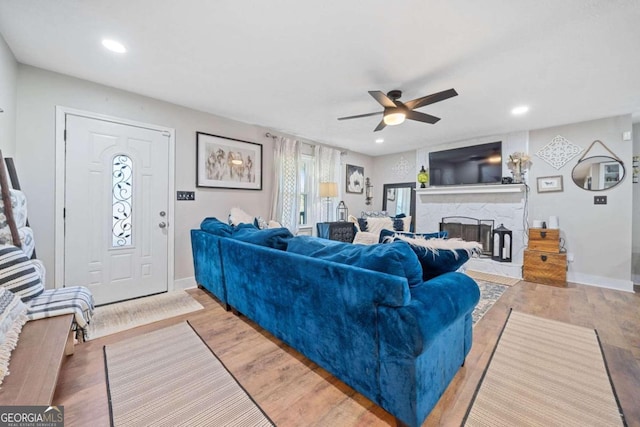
(76, 300)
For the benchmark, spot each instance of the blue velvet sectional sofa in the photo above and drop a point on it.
(393, 337)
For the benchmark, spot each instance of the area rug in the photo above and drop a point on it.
(545, 373)
(170, 377)
(494, 278)
(489, 294)
(113, 318)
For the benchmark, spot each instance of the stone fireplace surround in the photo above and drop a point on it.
(505, 204)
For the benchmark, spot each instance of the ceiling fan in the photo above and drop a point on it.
(395, 111)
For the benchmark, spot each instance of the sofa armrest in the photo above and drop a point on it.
(435, 304)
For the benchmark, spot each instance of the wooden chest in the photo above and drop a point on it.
(548, 268)
(544, 239)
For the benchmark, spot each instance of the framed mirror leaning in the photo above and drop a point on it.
(598, 173)
(400, 198)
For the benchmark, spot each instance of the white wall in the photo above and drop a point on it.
(39, 91)
(391, 169)
(355, 202)
(8, 75)
(635, 267)
(598, 237)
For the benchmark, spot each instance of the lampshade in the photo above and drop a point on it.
(328, 189)
(394, 118)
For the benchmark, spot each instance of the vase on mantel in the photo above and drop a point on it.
(518, 177)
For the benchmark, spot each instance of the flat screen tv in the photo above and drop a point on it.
(477, 164)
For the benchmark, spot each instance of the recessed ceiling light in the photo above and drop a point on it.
(114, 46)
(520, 110)
(379, 141)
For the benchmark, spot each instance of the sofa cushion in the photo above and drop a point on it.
(386, 236)
(438, 256)
(217, 227)
(397, 259)
(276, 238)
(18, 274)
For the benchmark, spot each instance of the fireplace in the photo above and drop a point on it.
(471, 230)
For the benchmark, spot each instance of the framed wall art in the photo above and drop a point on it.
(549, 184)
(355, 179)
(227, 163)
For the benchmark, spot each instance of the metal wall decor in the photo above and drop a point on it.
(401, 169)
(559, 151)
(122, 195)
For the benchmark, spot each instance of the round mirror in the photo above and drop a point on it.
(598, 173)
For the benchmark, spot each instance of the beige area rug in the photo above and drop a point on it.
(121, 316)
(170, 377)
(545, 373)
(502, 280)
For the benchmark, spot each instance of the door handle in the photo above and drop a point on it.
(162, 225)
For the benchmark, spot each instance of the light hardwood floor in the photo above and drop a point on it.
(294, 391)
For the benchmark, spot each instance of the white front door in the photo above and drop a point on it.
(116, 203)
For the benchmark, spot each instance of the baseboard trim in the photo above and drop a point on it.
(601, 282)
(185, 283)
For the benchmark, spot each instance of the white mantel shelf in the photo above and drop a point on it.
(471, 189)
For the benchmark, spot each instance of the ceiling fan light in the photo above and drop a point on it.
(393, 119)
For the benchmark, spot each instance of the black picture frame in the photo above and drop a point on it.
(354, 179)
(223, 162)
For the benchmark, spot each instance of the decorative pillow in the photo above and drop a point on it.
(397, 259)
(374, 225)
(238, 216)
(387, 236)
(276, 238)
(439, 256)
(13, 315)
(273, 224)
(18, 274)
(373, 214)
(365, 238)
(215, 226)
(355, 222)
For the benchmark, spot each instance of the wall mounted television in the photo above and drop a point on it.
(477, 164)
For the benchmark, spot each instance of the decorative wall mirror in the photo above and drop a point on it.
(400, 198)
(598, 173)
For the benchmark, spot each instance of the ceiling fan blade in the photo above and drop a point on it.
(380, 126)
(422, 117)
(383, 99)
(431, 99)
(360, 115)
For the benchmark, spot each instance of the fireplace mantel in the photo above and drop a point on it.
(471, 189)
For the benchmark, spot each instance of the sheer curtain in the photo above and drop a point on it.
(327, 169)
(286, 195)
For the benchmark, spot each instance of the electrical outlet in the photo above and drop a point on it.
(186, 195)
(599, 200)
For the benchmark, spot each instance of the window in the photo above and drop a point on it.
(306, 173)
(121, 198)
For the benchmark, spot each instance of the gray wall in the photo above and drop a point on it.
(39, 91)
(8, 75)
(598, 237)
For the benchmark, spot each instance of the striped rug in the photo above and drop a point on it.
(545, 373)
(170, 377)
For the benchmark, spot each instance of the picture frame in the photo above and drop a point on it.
(549, 184)
(355, 179)
(223, 162)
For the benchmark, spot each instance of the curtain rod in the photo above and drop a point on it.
(342, 151)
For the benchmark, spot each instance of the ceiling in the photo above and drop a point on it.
(296, 66)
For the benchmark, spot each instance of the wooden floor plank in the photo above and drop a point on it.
(294, 391)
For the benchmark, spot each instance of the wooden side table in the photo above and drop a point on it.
(543, 262)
